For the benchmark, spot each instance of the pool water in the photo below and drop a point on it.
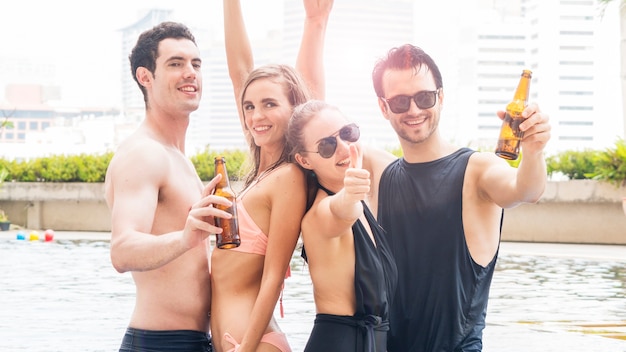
(65, 296)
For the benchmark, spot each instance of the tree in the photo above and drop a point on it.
(622, 25)
(5, 122)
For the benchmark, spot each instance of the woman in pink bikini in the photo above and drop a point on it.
(246, 282)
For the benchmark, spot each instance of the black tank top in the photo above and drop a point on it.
(441, 299)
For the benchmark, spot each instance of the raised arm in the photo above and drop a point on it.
(334, 215)
(509, 187)
(532, 173)
(238, 50)
(310, 61)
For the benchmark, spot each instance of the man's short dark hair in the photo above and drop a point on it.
(146, 51)
(402, 58)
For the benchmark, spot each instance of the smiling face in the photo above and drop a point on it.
(330, 171)
(266, 110)
(176, 85)
(416, 125)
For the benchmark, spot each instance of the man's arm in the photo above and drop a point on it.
(509, 187)
(376, 161)
(133, 184)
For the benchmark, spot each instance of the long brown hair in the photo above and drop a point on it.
(297, 93)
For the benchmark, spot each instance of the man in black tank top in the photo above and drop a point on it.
(442, 207)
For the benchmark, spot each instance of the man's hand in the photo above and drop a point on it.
(200, 220)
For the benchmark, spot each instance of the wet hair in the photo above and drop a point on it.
(146, 51)
(302, 115)
(402, 58)
(297, 93)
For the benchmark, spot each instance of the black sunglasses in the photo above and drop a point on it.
(424, 99)
(327, 146)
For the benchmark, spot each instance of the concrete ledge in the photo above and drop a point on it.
(56, 205)
(52, 191)
(578, 211)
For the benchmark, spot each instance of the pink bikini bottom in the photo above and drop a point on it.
(277, 339)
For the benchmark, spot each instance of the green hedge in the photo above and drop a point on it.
(92, 168)
(58, 168)
(235, 161)
(608, 165)
(575, 165)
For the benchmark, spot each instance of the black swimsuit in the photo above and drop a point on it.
(375, 278)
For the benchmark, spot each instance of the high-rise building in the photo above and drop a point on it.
(359, 32)
(501, 49)
(481, 48)
(574, 71)
(132, 99)
(488, 45)
(216, 125)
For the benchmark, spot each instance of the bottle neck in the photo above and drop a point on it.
(220, 168)
(523, 87)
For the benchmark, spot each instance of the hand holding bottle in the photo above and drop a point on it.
(510, 132)
(536, 129)
(229, 236)
(197, 226)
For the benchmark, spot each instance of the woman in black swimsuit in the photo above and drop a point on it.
(349, 260)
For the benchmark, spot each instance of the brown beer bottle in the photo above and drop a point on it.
(510, 134)
(229, 238)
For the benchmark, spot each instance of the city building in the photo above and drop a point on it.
(40, 126)
(481, 48)
(359, 33)
(576, 74)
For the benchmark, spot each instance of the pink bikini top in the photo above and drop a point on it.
(253, 240)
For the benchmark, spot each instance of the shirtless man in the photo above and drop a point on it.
(160, 211)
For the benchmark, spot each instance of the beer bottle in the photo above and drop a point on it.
(510, 134)
(229, 238)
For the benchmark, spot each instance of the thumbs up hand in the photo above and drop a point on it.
(356, 181)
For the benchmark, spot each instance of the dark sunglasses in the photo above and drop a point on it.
(424, 99)
(327, 146)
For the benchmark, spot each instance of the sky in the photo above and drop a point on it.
(82, 38)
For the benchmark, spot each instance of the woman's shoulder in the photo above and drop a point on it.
(286, 177)
(286, 185)
(286, 170)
